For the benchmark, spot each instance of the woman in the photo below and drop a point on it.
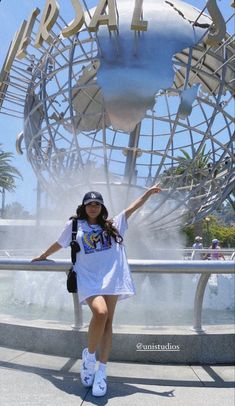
(216, 255)
(196, 255)
(103, 276)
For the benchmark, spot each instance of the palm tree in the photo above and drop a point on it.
(8, 173)
(200, 163)
(193, 172)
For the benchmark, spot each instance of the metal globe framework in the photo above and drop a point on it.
(72, 144)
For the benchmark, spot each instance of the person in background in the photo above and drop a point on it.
(197, 246)
(216, 255)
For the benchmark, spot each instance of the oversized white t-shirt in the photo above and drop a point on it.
(101, 265)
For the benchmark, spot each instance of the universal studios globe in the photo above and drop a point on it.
(120, 108)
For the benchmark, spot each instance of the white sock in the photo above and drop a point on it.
(102, 367)
(91, 356)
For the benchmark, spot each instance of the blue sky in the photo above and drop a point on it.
(12, 14)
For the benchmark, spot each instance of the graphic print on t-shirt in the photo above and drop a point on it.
(95, 241)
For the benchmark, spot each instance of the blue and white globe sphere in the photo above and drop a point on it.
(122, 110)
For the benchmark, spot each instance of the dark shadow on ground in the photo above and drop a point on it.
(69, 382)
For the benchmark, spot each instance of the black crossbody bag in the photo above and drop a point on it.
(75, 248)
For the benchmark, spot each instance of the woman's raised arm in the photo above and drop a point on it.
(141, 200)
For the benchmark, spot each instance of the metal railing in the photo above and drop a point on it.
(177, 253)
(205, 268)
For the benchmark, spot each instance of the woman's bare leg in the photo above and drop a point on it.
(99, 309)
(106, 340)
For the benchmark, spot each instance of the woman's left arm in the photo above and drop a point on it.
(141, 200)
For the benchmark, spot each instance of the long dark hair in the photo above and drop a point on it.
(102, 220)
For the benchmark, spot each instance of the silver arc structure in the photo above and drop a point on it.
(102, 111)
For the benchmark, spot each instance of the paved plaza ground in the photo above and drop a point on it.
(31, 379)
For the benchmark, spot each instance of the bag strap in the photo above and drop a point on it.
(74, 229)
(75, 247)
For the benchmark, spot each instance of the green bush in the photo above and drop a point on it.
(225, 234)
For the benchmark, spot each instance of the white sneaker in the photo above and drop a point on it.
(87, 372)
(99, 387)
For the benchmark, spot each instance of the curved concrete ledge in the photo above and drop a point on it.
(176, 345)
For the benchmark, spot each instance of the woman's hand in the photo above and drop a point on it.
(40, 258)
(154, 189)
